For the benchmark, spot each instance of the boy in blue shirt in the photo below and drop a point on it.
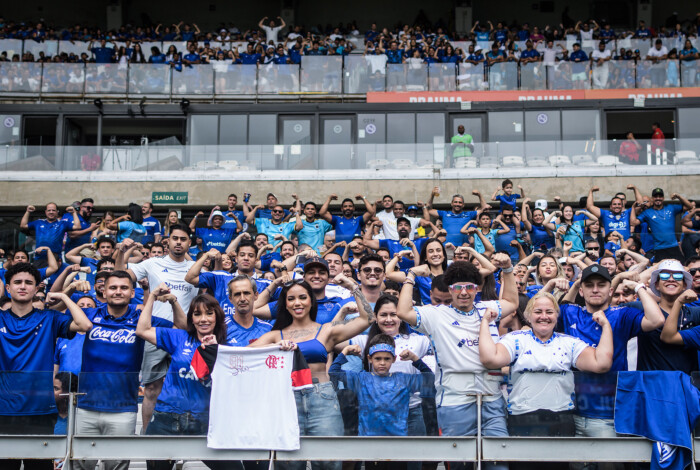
(508, 198)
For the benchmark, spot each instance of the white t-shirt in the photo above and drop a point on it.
(586, 35)
(271, 33)
(251, 386)
(419, 344)
(389, 225)
(541, 372)
(549, 56)
(455, 338)
(166, 269)
(334, 290)
(598, 54)
(653, 52)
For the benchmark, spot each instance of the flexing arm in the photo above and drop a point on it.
(492, 355)
(323, 213)
(250, 218)
(24, 223)
(670, 333)
(598, 359)
(73, 256)
(590, 203)
(80, 322)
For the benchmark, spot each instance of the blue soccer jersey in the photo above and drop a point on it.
(215, 238)
(346, 229)
(453, 223)
(50, 234)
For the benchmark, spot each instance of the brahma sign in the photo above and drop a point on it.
(541, 95)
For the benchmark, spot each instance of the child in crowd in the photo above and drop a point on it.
(382, 396)
(508, 198)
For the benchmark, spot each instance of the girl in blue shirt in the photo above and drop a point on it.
(129, 225)
(567, 229)
(382, 396)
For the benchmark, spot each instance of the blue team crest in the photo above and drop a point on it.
(666, 452)
(97, 320)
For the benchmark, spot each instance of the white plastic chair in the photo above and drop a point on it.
(559, 160)
(513, 160)
(608, 160)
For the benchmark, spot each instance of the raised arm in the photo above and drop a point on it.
(653, 318)
(323, 213)
(482, 202)
(370, 209)
(590, 203)
(51, 259)
(509, 289)
(261, 25)
(598, 359)
(80, 322)
(670, 333)
(492, 355)
(345, 331)
(73, 256)
(192, 275)
(250, 218)
(687, 205)
(24, 223)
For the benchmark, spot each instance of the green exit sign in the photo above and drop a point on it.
(169, 198)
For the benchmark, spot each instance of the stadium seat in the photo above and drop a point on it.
(686, 156)
(582, 159)
(537, 161)
(513, 160)
(229, 164)
(558, 160)
(378, 164)
(608, 160)
(465, 162)
(403, 163)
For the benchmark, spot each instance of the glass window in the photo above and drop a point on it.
(506, 133)
(401, 137)
(10, 130)
(371, 139)
(234, 130)
(430, 126)
(262, 129)
(542, 133)
(688, 119)
(204, 129)
(580, 129)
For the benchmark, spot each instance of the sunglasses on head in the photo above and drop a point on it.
(372, 270)
(667, 276)
(293, 282)
(456, 288)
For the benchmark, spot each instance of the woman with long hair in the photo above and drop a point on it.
(171, 220)
(183, 404)
(296, 327)
(433, 257)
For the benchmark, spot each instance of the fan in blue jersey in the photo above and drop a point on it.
(455, 219)
(432, 263)
(215, 237)
(348, 225)
(84, 233)
(68, 354)
(154, 232)
(183, 404)
(50, 231)
(508, 198)
(232, 216)
(27, 340)
(273, 226)
(403, 227)
(105, 250)
(311, 230)
(661, 219)
(594, 413)
(112, 357)
(616, 219)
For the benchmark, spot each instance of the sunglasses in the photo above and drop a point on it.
(277, 211)
(693, 271)
(456, 288)
(372, 270)
(667, 276)
(88, 208)
(293, 282)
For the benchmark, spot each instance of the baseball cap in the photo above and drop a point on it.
(657, 192)
(315, 261)
(403, 219)
(270, 194)
(412, 208)
(595, 270)
(674, 266)
(541, 204)
(217, 214)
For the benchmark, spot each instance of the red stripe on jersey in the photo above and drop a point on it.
(301, 379)
(199, 366)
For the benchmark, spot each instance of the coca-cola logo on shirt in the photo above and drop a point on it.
(123, 335)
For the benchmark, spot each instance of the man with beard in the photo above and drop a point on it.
(112, 356)
(83, 234)
(348, 225)
(404, 229)
(661, 219)
(273, 226)
(595, 399)
(455, 219)
(170, 269)
(616, 219)
(216, 236)
(49, 232)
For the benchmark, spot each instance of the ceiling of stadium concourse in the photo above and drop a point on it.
(211, 13)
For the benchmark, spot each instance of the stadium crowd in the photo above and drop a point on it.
(400, 310)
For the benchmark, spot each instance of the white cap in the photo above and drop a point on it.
(674, 266)
(541, 204)
(215, 213)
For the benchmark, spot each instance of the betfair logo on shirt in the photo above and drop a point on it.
(470, 343)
